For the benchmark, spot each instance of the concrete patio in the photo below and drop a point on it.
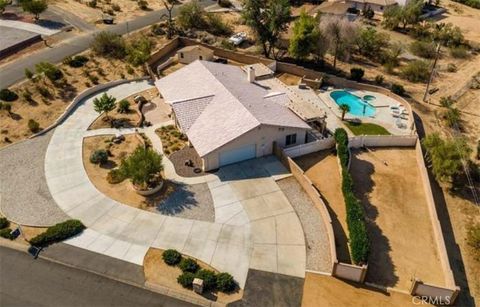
(255, 225)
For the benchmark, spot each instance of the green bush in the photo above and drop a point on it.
(52, 72)
(416, 71)
(28, 73)
(398, 89)
(171, 257)
(4, 222)
(225, 282)
(5, 233)
(186, 279)
(143, 5)
(43, 91)
(358, 237)
(76, 61)
(217, 26)
(423, 49)
(138, 52)
(115, 176)
(459, 52)
(123, 106)
(58, 232)
(209, 278)
(8, 95)
(110, 45)
(142, 166)
(473, 239)
(356, 74)
(33, 125)
(188, 265)
(99, 156)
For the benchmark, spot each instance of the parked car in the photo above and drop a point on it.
(238, 38)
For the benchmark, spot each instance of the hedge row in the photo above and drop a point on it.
(58, 232)
(357, 229)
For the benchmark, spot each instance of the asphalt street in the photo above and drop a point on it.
(15, 71)
(25, 281)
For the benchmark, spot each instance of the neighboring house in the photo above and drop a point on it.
(190, 54)
(227, 116)
(340, 8)
(378, 6)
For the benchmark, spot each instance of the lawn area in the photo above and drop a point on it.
(366, 129)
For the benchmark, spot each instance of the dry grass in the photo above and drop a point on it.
(172, 139)
(159, 273)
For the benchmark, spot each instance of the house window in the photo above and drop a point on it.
(200, 57)
(291, 139)
(181, 55)
(281, 129)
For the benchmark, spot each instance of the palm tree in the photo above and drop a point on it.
(344, 108)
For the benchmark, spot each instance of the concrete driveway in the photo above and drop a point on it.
(255, 225)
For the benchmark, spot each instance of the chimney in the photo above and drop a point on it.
(251, 74)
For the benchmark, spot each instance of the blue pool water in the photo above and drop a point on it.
(358, 107)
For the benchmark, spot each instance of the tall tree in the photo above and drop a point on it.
(341, 35)
(169, 5)
(306, 34)
(345, 108)
(35, 7)
(105, 104)
(268, 19)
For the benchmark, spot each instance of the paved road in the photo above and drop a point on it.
(28, 282)
(15, 71)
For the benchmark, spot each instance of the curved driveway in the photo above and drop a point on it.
(255, 225)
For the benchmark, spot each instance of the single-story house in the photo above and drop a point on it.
(378, 6)
(227, 116)
(189, 54)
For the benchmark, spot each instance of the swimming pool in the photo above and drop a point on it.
(358, 107)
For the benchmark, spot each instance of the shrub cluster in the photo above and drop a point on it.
(193, 16)
(416, 71)
(52, 72)
(398, 89)
(6, 233)
(186, 279)
(356, 74)
(33, 125)
(76, 61)
(58, 232)
(8, 95)
(423, 49)
(188, 265)
(4, 222)
(171, 257)
(99, 156)
(357, 229)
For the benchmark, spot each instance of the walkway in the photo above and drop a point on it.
(255, 225)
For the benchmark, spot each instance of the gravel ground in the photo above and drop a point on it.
(178, 159)
(25, 197)
(318, 253)
(189, 201)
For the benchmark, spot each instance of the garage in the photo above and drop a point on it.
(237, 155)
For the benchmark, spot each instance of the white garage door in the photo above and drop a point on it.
(237, 155)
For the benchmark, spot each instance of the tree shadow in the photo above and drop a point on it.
(15, 116)
(341, 238)
(109, 165)
(182, 198)
(381, 269)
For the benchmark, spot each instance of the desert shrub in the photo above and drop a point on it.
(459, 52)
(171, 257)
(93, 79)
(43, 91)
(6, 106)
(423, 49)
(76, 61)
(27, 95)
(209, 278)
(58, 232)
(139, 51)
(416, 71)
(110, 45)
(28, 73)
(116, 7)
(224, 3)
(357, 230)
(143, 5)
(130, 70)
(451, 67)
(99, 156)
(186, 279)
(225, 282)
(191, 15)
(356, 74)
(33, 125)
(473, 237)
(217, 26)
(49, 70)
(446, 102)
(92, 3)
(6, 233)
(379, 79)
(115, 176)
(123, 106)
(452, 117)
(188, 265)
(226, 44)
(4, 222)
(398, 89)
(8, 95)
(142, 166)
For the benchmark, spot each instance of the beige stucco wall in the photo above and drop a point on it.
(375, 7)
(192, 55)
(263, 138)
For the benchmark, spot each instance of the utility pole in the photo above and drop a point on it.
(431, 73)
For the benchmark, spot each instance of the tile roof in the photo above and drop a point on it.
(214, 104)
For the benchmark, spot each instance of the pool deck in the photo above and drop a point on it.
(382, 116)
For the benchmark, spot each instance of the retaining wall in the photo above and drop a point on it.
(350, 272)
(382, 141)
(433, 294)
(82, 96)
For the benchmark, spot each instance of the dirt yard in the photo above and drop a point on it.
(322, 169)
(159, 273)
(399, 225)
(320, 290)
(122, 192)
